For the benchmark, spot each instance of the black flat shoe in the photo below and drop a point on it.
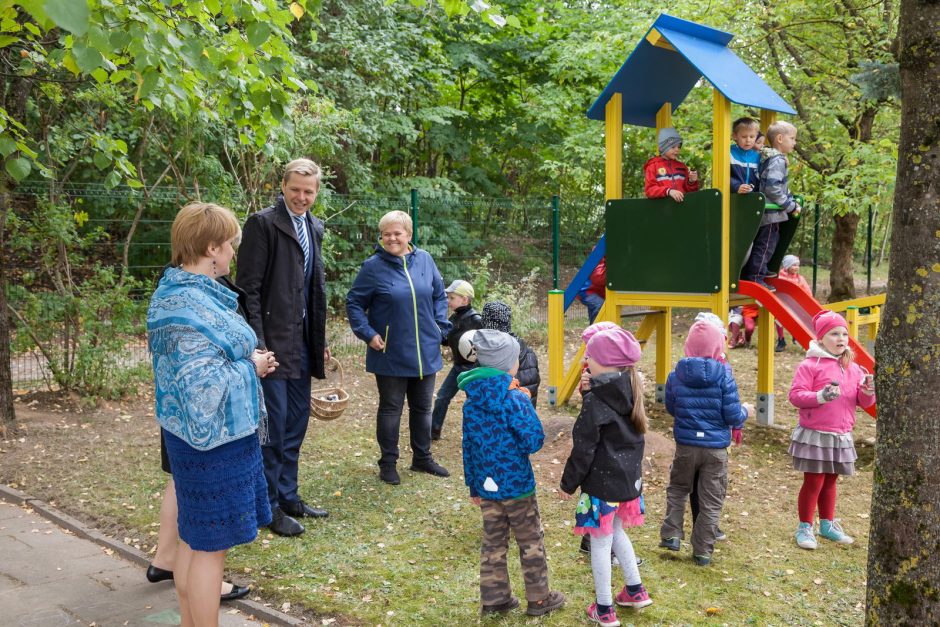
(155, 574)
(236, 593)
(431, 467)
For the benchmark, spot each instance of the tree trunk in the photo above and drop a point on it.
(842, 271)
(7, 412)
(904, 546)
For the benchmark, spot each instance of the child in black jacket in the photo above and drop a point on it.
(606, 464)
(464, 318)
(498, 315)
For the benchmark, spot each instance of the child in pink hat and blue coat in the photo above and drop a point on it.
(827, 387)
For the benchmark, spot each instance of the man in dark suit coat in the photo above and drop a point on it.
(280, 268)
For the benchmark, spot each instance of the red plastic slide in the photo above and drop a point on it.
(794, 309)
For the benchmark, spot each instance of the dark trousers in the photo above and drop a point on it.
(710, 465)
(288, 404)
(765, 243)
(392, 394)
(521, 516)
(445, 395)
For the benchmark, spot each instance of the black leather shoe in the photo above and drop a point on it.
(237, 592)
(301, 509)
(389, 475)
(436, 435)
(431, 467)
(284, 525)
(155, 574)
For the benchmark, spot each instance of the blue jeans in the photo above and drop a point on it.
(593, 302)
(392, 394)
(288, 404)
(445, 394)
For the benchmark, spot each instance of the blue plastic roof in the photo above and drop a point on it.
(652, 75)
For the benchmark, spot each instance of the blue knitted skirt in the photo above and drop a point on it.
(221, 493)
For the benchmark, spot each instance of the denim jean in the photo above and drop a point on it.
(392, 394)
(445, 394)
(593, 302)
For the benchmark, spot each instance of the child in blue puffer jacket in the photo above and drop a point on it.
(702, 397)
(500, 431)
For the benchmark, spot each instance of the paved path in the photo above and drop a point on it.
(51, 576)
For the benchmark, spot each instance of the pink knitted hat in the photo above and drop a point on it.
(704, 340)
(589, 332)
(825, 321)
(613, 347)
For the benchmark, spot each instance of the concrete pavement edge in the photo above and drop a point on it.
(16, 497)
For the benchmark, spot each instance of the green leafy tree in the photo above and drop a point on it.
(223, 61)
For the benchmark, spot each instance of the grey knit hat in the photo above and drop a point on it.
(497, 315)
(668, 138)
(496, 349)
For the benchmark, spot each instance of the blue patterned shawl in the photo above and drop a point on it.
(207, 390)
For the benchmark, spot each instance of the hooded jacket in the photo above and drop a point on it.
(744, 168)
(606, 450)
(402, 300)
(819, 369)
(774, 184)
(528, 374)
(702, 397)
(500, 431)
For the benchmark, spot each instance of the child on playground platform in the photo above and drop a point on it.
(745, 159)
(464, 318)
(827, 387)
(774, 185)
(500, 431)
(665, 175)
(498, 315)
(606, 464)
(702, 397)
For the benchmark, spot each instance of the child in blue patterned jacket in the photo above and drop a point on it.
(500, 431)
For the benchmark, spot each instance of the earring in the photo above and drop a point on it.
(215, 270)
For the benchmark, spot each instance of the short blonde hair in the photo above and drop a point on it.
(779, 128)
(303, 167)
(197, 226)
(396, 217)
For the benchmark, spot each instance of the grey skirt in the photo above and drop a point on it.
(822, 451)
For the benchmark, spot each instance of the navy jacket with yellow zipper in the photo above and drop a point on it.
(402, 300)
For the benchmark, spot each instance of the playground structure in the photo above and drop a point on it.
(663, 255)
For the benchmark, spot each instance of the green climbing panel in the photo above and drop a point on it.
(659, 245)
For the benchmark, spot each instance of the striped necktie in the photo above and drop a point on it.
(300, 226)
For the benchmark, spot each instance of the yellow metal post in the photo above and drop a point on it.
(647, 326)
(851, 316)
(721, 180)
(613, 147)
(765, 367)
(873, 327)
(663, 351)
(556, 342)
(663, 118)
(767, 117)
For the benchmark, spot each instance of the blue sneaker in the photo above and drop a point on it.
(805, 538)
(832, 530)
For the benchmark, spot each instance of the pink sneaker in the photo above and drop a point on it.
(609, 619)
(638, 600)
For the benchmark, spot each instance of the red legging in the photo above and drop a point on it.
(817, 488)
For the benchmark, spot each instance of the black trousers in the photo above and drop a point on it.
(392, 394)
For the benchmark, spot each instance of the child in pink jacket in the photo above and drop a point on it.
(826, 388)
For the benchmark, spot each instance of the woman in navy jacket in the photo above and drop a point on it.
(398, 307)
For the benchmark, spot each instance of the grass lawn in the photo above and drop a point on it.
(408, 555)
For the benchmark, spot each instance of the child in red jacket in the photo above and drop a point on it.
(826, 388)
(665, 174)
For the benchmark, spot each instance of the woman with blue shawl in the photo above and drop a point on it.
(208, 404)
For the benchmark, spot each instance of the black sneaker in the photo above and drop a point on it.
(673, 544)
(431, 467)
(720, 535)
(389, 475)
(300, 509)
(781, 346)
(435, 434)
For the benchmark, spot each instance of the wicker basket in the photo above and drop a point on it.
(322, 408)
